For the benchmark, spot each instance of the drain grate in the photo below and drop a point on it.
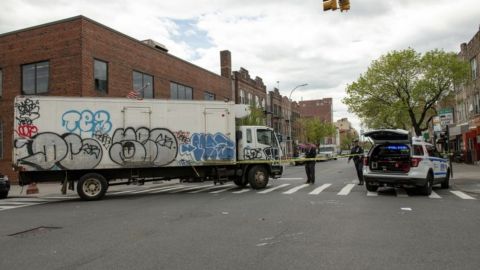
(35, 231)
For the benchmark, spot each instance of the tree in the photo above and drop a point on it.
(401, 88)
(316, 130)
(255, 118)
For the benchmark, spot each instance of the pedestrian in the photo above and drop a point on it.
(310, 154)
(357, 155)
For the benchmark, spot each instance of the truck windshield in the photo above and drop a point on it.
(265, 136)
(326, 149)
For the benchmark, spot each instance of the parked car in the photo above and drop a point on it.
(327, 152)
(4, 186)
(396, 159)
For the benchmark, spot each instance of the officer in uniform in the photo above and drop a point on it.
(357, 156)
(310, 164)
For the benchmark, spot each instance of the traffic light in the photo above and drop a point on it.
(329, 5)
(344, 5)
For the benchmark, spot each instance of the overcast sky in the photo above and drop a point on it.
(286, 43)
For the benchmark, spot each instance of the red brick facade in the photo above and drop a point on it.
(71, 46)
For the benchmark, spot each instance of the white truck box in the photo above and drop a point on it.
(79, 135)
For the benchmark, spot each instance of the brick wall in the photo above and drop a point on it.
(70, 46)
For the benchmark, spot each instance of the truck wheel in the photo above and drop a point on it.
(258, 177)
(240, 181)
(427, 188)
(370, 187)
(3, 195)
(446, 182)
(92, 186)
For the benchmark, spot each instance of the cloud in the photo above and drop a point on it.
(278, 40)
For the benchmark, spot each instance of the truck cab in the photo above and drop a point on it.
(257, 143)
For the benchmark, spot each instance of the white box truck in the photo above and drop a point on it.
(97, 142)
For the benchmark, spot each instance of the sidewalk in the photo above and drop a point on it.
(466, 177)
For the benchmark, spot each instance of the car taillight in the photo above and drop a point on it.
(365, 161)
(415, 162)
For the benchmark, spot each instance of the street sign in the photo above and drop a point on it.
(446, 116)
(436, 124)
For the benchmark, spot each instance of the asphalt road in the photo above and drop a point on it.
(286, 228)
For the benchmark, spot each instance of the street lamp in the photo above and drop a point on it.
(290, 119)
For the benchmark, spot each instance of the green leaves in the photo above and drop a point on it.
(316, 130)
(255, 118)
(400, 89)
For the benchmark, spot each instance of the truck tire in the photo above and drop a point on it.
(240, 181)
(370, 187)
(446, 182)
(427, 188)
(92, 186)
(3, 195)
(258, 177)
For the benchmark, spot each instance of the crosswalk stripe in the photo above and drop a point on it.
(222, 190)
(434, 195)
(186, 189)
(121, 192)
(272, 189)
(60, 197)
(372, 194)
(462, 195)
(295, 189)
(346, 190)
(242, 191)
(168, 189)
(151, 189)
(282, 178)
(319, 189)
(401, 192)
(208, 188)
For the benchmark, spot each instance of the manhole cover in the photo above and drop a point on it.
(35, 231)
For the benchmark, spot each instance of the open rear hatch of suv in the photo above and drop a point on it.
(391, 152)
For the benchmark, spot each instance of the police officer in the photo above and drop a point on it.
(310, 164)
(357, 156)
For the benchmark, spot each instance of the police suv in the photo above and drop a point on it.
(396, 159)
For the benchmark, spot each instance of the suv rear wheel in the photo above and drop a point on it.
(370, 187)
(427, 188)
(446, 182)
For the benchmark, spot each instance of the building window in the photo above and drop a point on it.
(101, 76)
(208, 96)
(143, 83)
(35, 78)
(249, 99)
(1, 140)
(473, 64)
(242, 97)
(178, 91)
(1, 82)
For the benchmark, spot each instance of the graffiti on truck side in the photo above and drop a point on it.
(258, 153)
(87, 122)
(48, 150)
(126, 147)
(28, 111)
(206, 146)
(157, 146)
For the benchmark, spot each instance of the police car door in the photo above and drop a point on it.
(439, 164)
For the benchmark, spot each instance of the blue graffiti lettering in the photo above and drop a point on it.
(209, 147)
(87, 121)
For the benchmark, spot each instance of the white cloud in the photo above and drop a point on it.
(293, 42)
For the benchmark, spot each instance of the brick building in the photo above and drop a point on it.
(321, 109)
(81, 57)
(465, 134)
